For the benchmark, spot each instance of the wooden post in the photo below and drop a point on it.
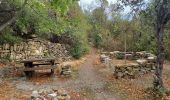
(125, 44)
(28, 65)
(52, 65)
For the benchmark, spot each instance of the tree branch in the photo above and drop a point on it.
(14, 17)
(166, 17)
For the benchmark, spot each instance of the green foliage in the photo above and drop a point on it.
(77, 28)
(45, 18)
(77, 51)
(7, 37)
(119, 55)
(42, 17)
(98, 40)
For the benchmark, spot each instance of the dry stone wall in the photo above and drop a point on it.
(34, 48)
(133, 70)
(145, 63)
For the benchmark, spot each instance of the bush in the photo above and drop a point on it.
(98, 40)
(120, 55)
(79, 50)
(9, 38)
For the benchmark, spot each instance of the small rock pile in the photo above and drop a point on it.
(52, 95)
(104, 58)
(66, 70)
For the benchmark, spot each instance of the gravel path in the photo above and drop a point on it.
(88, 77)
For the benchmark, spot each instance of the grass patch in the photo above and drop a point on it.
(153, 94)
(75, 73)
(115, 89)
(88, 93)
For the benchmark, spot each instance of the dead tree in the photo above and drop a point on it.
(162, 14)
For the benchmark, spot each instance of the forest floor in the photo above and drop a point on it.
(91, 80)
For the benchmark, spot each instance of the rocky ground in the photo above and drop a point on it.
(90, 80)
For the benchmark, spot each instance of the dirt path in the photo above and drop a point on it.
(89, 80)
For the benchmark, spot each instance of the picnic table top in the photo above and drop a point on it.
(37, 60)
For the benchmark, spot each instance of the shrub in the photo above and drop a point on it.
(79, 50)
(98, 40)
(120, 55)
(7, 37)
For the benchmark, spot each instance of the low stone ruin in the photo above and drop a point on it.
(145, 63)
(128, 55)
(132, 70)
(60, 94)
(66, 70)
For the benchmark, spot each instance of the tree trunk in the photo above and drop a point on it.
(160, 57)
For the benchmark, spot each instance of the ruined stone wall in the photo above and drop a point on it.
(145, 63)
(33, 48)
(133, 70)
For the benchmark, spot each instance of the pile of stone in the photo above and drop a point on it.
(104, 58)
(34, 48)
(66, 70)
(52, 95)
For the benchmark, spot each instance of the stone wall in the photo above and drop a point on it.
(145, 63)
(33, 48)
(128, 55)
(133, 70)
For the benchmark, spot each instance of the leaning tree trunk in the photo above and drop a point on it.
(160, 57)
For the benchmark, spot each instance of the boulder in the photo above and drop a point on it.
(142, 61)
(152, 59)
(111, 55)
(52, 96)
(63, 95)
(129, 56)
(35, 94)
(66, 70)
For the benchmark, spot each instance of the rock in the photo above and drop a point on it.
(141, 61)
(41, 91)
(129, 56)
(62, 92)
(33, 36)
(35, 94)
(63, 97)
(115, 52)
(119, 74)
(149, 65)
(107, 61)
(112, 55)
(151, 59)
(102, 58)
(66, 70)
(52, 96)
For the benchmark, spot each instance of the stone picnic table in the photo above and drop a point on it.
(38, 64)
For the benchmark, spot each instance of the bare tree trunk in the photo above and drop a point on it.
(160, 57)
